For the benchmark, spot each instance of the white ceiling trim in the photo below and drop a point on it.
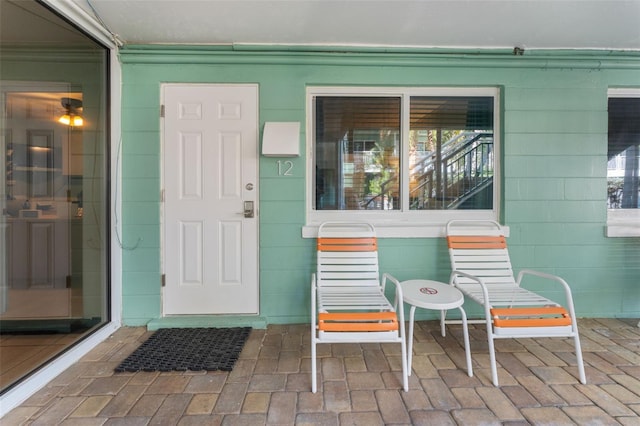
(80, 17)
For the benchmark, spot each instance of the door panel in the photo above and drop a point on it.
(210, 158)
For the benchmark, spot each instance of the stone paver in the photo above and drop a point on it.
(476, 417)
(468, 397)
(256, 402)
(62, 408)
(211, 382)
(91, 406)
(317, 419)
(547, 416)
(369, 418)
(357, 384)
(391, 406)
(363, 401)
(440, 395)
(147, 405)
(120, 404)
(202, 404)
(310, 402)
(606, 401)
(231, 398)
(332, 369)
(169, 384)
(589, 415)
(282, 408)
(106, 385)
(542, 392)
(499, 404)
(171, 410)
(336, 396)
(432, 417)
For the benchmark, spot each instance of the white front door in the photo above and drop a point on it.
(210, 173)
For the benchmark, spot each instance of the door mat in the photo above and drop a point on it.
(182, 349)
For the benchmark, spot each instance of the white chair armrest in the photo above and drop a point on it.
(314, 306)
(542, 275)
(550, 277)
(399, 298)
(483, 286)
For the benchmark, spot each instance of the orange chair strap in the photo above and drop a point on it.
(347, 244)
(544, 316)
(476, 242)
(358, 321)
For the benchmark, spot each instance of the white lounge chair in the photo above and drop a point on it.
(481, 269)
(348, 302)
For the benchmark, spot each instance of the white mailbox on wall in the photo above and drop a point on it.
(281, 139)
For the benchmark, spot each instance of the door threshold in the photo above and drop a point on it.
(221, 321)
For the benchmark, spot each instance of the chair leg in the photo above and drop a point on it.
(467, 349)
(314, 375)
(405, 374)
(412, 312)
(492, 357)
(583, 377)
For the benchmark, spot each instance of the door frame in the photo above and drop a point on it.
(163, 250)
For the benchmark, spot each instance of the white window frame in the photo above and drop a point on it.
(402, 223)
(623, 222)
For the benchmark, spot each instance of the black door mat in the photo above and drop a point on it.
(182, 349)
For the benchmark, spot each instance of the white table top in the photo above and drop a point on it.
(429, 294)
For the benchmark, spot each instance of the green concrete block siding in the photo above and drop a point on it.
(551, 145)
(140, 142)
(554, 145)
(141, 283)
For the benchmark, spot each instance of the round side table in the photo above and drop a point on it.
(439, 296)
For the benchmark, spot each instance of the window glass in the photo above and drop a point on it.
(623, 167)
(357, 153)
(365, 160)
(451, 153)
(54, 198)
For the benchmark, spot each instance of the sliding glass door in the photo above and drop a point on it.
(54, 281)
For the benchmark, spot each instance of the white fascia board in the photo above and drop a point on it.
(82, 19)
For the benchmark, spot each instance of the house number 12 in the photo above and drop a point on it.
(285, 168)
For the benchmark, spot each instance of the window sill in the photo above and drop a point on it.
(623, 223)
(397, 230)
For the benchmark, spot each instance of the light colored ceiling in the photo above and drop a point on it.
(531, 24)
